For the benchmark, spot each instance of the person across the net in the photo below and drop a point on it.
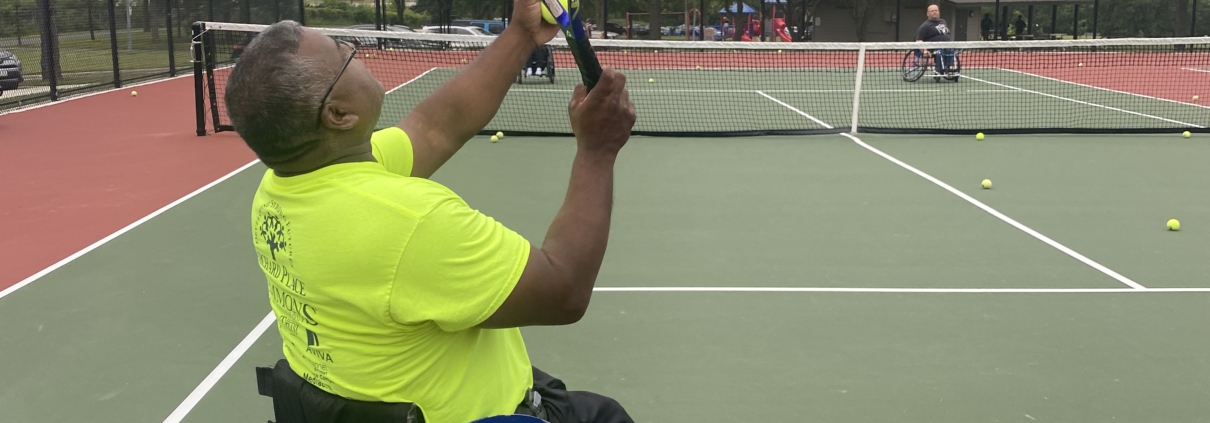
(391, 292)
(934, 29)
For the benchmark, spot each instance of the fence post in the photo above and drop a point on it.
(17, 13)
(113, 44)
(168, 29)
(50, 48)
(302, 12)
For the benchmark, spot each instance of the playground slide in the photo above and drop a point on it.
(779, 28)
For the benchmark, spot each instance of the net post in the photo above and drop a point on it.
(199, 96)
(209, 56)
(857, 86)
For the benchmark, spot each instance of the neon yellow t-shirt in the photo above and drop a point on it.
(379, 280)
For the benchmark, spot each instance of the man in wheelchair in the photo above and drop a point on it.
(935, 30)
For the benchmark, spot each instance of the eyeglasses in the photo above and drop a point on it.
(323, 101)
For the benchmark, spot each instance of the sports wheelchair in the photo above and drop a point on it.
(944, 62)
(541, 63)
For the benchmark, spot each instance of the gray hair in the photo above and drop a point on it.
(273, 96)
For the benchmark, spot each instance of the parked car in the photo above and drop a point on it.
(473, 31)
(459, 30)
(11, 72)
(493, 26)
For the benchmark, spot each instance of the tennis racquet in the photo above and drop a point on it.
(569, 21)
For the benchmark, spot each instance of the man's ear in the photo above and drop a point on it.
(336, 117)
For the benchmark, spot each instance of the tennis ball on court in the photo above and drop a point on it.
(1174, 225)
(1186, 134)
(979, 136)
(495, 138)
(499, 134)
(987, 184)
(136, 94)
(550, 17)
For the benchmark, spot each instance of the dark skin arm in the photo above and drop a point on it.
(441, 124)
(557, 282)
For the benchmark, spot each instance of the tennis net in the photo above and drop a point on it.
(693, 88)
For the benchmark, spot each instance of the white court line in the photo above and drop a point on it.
(980, 205)
(1085, 102)
(77, 97)
(223, 366)
(735, 91)
(1196, 70)
(1106, 89)
(119, 232)
(896, 290)
(1002, 217)
(795, 110)
(411, 80)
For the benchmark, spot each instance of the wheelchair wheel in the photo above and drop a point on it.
(913, 67)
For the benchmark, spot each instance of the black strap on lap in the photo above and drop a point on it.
(297, 401)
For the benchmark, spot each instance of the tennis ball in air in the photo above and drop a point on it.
(1174, 225)
(987, 184)
(550, 17)
(1194, 98)
(499, 134)
(1186, 134)
(1081, 64)
(136, 94)
(699, 68)
(650, 80)
(495, 138)
(979, 136)
(463, 60)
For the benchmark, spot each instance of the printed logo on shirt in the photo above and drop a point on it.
(273, 231)
(941, 28)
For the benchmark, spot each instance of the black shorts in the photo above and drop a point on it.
(563, 406)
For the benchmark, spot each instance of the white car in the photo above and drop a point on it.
(459, 30)
(473, 31)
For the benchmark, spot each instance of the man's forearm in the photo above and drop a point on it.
(468, 101)
(576, 240)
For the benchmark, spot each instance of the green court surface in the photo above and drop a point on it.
(689, 101)
(804, 278)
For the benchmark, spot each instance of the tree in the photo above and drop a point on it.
(862, 11)
(655, 10)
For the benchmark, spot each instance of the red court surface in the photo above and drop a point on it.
(76, 171)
